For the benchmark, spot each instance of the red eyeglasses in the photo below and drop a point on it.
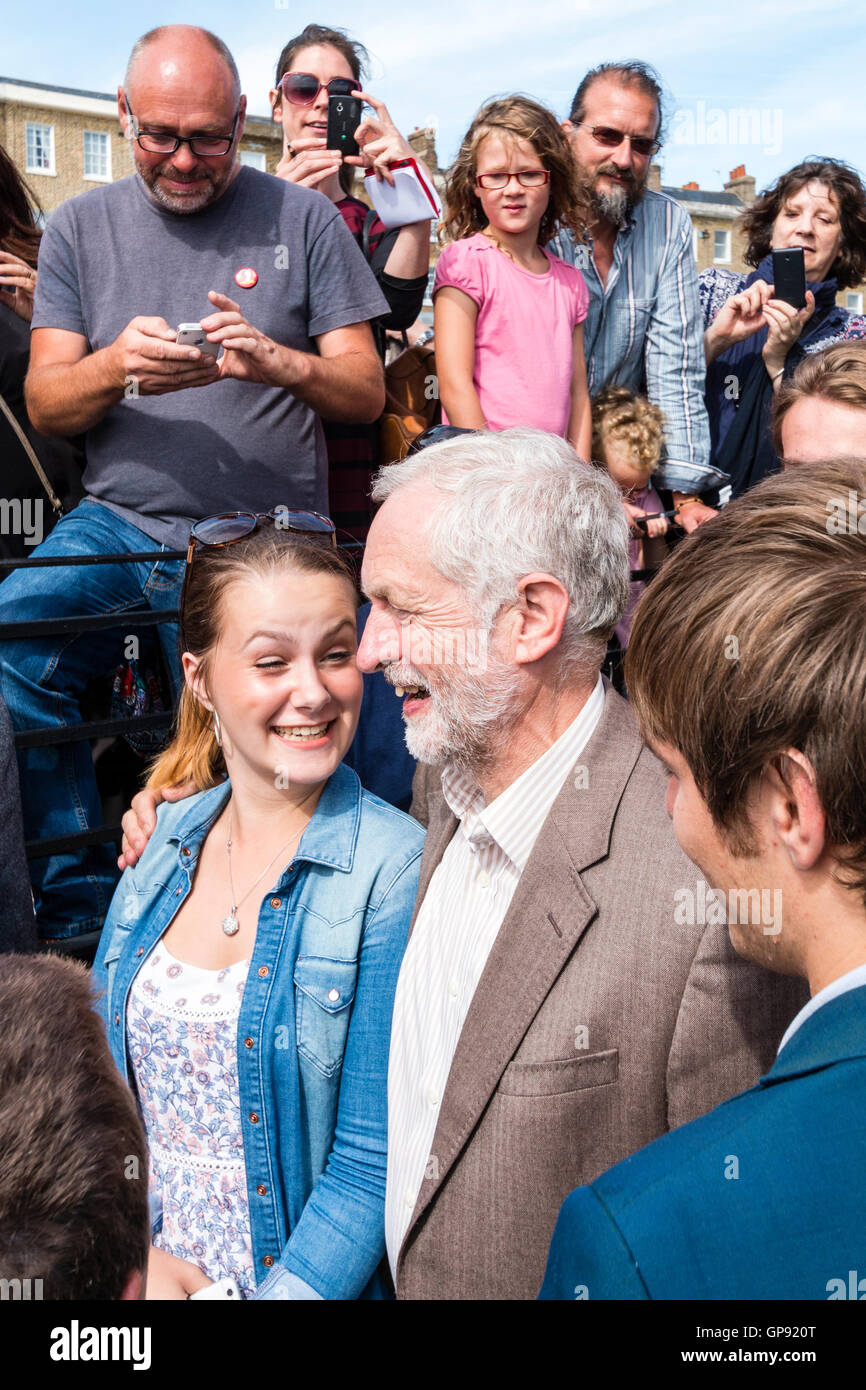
(303, 88)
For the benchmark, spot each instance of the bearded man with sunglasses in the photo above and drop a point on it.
(281, 291)
(644, 327)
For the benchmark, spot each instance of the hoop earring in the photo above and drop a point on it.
(217, 731)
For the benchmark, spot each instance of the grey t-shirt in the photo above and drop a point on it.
(113, 253)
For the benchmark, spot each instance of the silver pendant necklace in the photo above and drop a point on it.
(230, 923)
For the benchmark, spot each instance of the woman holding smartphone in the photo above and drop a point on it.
(315, 64)
(248, 962)
(754, 339)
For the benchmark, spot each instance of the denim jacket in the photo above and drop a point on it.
(314, 1023)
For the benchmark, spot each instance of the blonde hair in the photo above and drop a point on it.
(517, 118)
(194, 755)
(618, 414)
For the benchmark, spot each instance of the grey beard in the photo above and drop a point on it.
(615, 206)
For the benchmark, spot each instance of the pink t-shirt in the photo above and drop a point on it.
(523, 333)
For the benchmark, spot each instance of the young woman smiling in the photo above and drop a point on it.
(248, 962)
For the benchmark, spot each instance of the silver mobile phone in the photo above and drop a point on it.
(191, 335)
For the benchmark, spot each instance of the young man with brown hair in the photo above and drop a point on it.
(746, 668)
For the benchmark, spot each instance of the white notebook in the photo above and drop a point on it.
(411, 199)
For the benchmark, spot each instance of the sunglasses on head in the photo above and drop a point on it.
(611, 139)
(303, 88)
(215, 532)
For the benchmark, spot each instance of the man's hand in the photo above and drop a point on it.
(249, 355)
(692, 512)
(147, 351)
(307, 162)
(171, 1278)
(139, 822)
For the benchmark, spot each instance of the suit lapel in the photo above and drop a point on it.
(548, 914)
(441, 825)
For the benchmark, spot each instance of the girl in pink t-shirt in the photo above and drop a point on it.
(508, 314)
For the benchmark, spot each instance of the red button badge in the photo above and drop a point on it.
(246, 277)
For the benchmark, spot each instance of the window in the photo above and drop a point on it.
(40, 148)
(97, 156)
(255, 158)
(721, 246)
(854, 301)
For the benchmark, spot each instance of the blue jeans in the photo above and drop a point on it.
(43, 679)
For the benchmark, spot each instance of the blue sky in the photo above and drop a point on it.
(764, 83)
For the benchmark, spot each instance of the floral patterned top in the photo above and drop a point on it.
(182, 1032)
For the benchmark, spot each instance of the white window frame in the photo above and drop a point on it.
(256, 159)
(726, 258)
(106, 138)
(36, 169)
(854, 301)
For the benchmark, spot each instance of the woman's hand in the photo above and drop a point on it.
(171, 1278)
(307, 162)
(379, 141)
(739, 317)
(785, 325)
(17, 283)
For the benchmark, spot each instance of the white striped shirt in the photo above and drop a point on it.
(457, 924)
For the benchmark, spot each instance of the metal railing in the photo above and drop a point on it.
(53, 734)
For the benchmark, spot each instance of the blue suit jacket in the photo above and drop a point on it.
(764, 1198)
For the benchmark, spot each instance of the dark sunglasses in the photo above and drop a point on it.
(302, 88)
(612, 139)
(214, 532)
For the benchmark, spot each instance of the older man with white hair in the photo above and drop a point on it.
(554, 1011)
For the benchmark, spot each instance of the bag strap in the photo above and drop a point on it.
(55, 501)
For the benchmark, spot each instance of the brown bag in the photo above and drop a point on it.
(411, 401)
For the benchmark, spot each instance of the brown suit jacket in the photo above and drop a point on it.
(598, 1024)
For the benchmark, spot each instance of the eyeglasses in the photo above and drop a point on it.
(611, 139)
(215, 532)
(162, 142)
(303, 88)
(527, 178)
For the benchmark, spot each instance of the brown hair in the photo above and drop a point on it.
(847, 188)
(517, 118)
(355, 55)
(19, 208)
(618, 414)
(194, 754)
(752, 640)
(837, 374)
(73, 1181)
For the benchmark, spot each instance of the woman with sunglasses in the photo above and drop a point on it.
(248, 962)
(318, 62)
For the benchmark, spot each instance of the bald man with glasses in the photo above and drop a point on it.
(644, 328)
(281, 300)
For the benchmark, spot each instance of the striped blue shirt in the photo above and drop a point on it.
(644, 330)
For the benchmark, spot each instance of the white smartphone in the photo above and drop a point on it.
(223, 1288)
(191, 335)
